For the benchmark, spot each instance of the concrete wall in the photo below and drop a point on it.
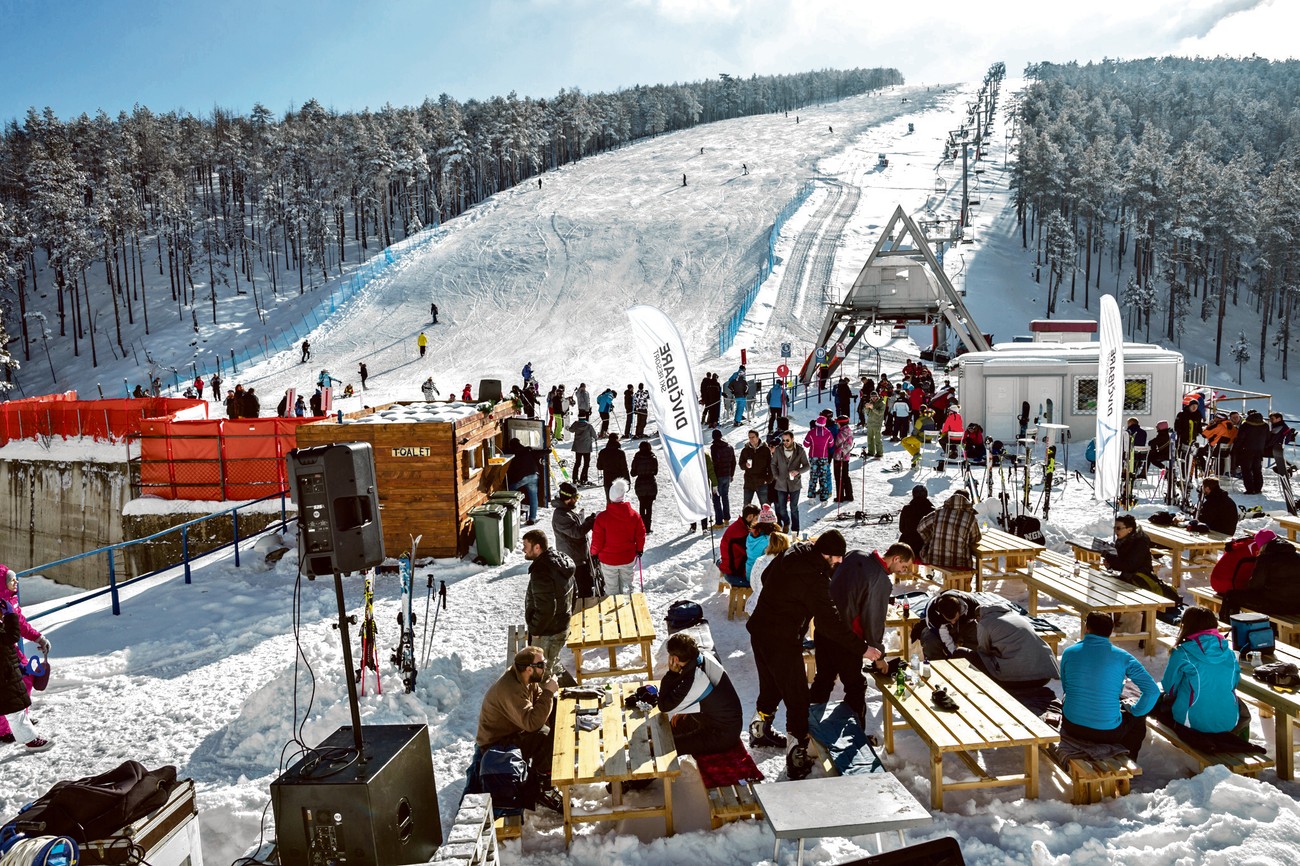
(58, 508)
(209, 535)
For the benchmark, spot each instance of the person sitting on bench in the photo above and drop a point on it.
(1009, 650)
(519, 710)
(1218, 511)
(1093, 672)
(1274, 588)
(1200, 681)
(951, 623)
(951, 533)
(732, 546)
(698, 696)
(1132, 558)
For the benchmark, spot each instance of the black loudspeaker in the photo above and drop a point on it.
(338, 508)
(936, 852)
(489, 390)
(332, 810)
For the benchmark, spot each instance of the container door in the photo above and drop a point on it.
(1001, 407)
(1044, 396)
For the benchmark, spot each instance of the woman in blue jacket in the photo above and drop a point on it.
(1201, 680)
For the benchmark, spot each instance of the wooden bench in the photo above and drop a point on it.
(1240, 763)
(733, 803)
(1288, 625)
(947, 578)
(1092, 780)
(739, 597)
(509, 827)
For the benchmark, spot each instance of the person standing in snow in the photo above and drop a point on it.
(612, 463)
(605, 406)
(584, 442)
(618, 539)
(876, 408)
(215, 382)
(571, 526)
(629, 399)
(775, 405)
(738, 387)
(711, 398)
(198, 386)
(423, 342)
(641, 405)
(843, 396)
(429, 390)
(433, 311)
(283, 408)
(582, 397)
(819, 442)
(756, 462)
(523, 471)
(724, 467)
(364, 374)
(547, 602)
(789, 462)
(840, 463)
(300, 407)
(16, 687)
(306, 352)
(645, 468)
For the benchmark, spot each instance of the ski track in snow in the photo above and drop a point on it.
(203, 676)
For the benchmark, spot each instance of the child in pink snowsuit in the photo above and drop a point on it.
(9, 594)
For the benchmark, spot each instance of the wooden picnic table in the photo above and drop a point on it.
(987, 717)
(1083, 589)
(1284, 706)
(1290, 524)
(1000, 555)
(616, 621)
(628, 745)
(1179, 542)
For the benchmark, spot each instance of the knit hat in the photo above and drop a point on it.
(919, 492)
(843, 419)
(568, 491)
(1162, 425)
(821, 421)
(830, 543)
(1263, 537)
(618, 490)
(767, 515)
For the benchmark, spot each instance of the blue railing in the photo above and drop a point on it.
(727, 333)
(114, 585)
(290, 336)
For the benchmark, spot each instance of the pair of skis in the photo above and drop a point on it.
(403, 655)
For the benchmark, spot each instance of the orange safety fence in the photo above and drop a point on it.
(65, 416)
(216, 460)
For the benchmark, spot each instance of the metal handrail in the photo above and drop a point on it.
(114, 585)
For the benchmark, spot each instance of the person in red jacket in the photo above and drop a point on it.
(953, 430)
(618, 539)
(1237, 564)
(732, 547)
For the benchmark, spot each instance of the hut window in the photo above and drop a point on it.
(1137, 395)
(473, 459)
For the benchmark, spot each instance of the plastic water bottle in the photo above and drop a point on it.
(925, 669)
(609, 694)
(1076, 569)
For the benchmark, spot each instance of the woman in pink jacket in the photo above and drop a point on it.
(820, 442)
(9, 594)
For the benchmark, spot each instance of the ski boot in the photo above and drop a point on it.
(761, 733)
(798, 763)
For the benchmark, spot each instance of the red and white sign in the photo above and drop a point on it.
(782, 371)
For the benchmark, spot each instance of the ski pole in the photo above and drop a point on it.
(424, 638)
(442, 605)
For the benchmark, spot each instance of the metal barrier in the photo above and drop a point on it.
(114, 585)
(728, 331)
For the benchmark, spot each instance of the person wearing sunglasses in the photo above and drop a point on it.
(519, 712)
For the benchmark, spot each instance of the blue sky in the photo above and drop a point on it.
(78, 55)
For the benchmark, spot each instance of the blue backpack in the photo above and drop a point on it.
(503, 773)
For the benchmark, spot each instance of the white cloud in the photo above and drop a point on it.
(688, 11)
(1269, 30)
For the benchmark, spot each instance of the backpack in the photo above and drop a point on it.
(1234, 568)
(684, 614)
(96, 807)
(739, 387)
(503, 773)
(1027, 527)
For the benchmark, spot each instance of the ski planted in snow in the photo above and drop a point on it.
(404, 652)
(369, 638)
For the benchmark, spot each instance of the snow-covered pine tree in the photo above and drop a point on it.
(1240, 351)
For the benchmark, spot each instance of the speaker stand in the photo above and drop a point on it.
(348, 672)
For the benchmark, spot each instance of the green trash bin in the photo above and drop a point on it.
(513, 500)
(489, 531)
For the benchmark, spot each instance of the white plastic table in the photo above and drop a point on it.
(839, 806)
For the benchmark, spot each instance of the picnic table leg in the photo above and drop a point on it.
(1149, 616)
(577, 664)
(776, 850)
(1176, 566)
(1284, 728)
(613, 659)
(668, 806)
(936, 780)
(565, 794)
(1031, 772)
(887, 710)
(799, 859)
(1033, 600)
(649, 660)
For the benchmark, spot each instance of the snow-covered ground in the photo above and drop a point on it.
(208, 683)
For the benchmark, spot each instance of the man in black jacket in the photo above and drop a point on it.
(724, 467)
(612, 463)
(702, 704)
(548, 601)
(860, 589)
(572, 525)
(756, 462)
(910, 518)
(628, 397)
(796, 589)
(1252, 442)
(523, 471)
(1218, 511)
